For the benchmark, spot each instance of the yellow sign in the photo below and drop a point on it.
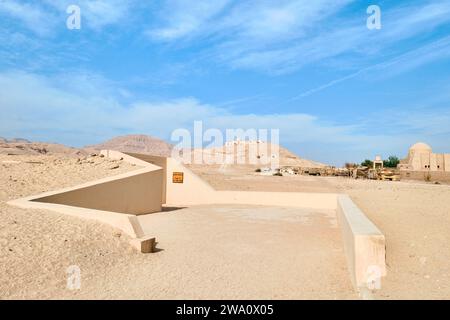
(178, 177)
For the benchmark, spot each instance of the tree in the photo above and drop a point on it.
(367, 163)
(391, 162)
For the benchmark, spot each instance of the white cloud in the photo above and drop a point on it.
(345, 38)
(409, 20)
(277, 21)
(286, 35)
(428, 53)
(33, 16)
(85, 112)
(250, 19)
(97, 14)
(182, 18)
(277, 37)
(43, 18)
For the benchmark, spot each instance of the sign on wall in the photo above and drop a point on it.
(178, 177)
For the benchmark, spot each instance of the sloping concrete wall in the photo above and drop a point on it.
(117, 155)
(130, 193)
(125, 222)
(192, 191)
(161, 162)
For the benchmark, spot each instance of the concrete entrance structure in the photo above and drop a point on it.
(119, 201)
(195, 191)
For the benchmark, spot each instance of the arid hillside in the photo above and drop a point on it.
(15, 147)
(136, 144)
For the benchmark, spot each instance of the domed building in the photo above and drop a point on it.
(422, 158)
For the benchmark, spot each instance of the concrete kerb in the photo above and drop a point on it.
(144, 244)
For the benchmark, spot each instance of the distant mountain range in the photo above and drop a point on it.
(20, 146)
(133, 144)
(136, 144)
(14, 140)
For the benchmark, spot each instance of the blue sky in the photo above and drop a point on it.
(336, 90)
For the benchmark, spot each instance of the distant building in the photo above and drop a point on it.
(378, 163)
(422, 158)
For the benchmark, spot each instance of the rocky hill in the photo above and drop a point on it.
(257, 153)
(24, 147)
(136, 144)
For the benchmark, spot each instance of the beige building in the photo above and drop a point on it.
(422, 158)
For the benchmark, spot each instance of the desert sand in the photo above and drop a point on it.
(217, 252)
(37, 245)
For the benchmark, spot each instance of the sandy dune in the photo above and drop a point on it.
(37, 245)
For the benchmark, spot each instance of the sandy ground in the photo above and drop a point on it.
(247, 252)
(244, 178)
(36, 246)
(218, 252)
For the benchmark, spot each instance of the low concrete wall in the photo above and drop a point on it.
(125, 222)
(364, 245)
(117, 155)
(440, 176)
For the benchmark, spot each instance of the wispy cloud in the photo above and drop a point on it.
(31, 15)
(285, 36)
(97, 14)
(47, 17)
(407, 61)
(185, 18)
(251, 20)
(276, 37)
